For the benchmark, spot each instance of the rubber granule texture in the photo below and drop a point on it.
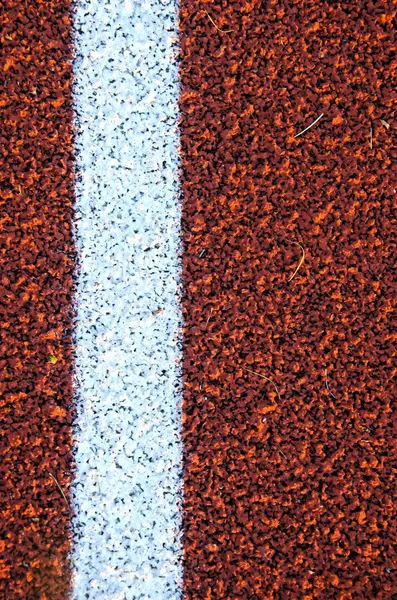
(289, 292)
(37, 257)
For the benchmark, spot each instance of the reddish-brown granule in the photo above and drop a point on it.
(290, 484)
(37, 258)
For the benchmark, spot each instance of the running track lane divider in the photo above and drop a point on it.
(127, 486)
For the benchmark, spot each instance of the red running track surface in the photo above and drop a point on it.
(37, 260)
(289, 293)
(288, 372)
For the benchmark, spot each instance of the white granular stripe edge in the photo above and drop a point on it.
(127, 490)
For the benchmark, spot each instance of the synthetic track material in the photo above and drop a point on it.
(37, 258)
(289, 481)
(127, 489)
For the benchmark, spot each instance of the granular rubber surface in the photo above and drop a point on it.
(37, 257)
(289, 480)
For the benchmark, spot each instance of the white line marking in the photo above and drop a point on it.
(127, 490)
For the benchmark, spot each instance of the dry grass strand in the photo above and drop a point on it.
(301, 259)
(310, 126)
(266, 379)
(59, 487)
(215, 25)
(326, 384)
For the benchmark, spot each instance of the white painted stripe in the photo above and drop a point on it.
(127, 490)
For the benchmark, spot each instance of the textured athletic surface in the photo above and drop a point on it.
(275, 199)
(127, 488)
(37, 263)
(289, 481)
